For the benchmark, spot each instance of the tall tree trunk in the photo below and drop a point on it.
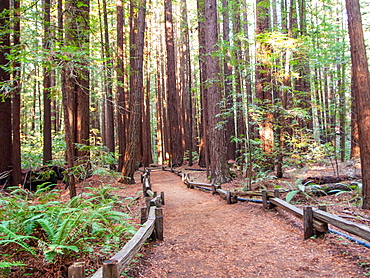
(137, 31)
(120, 95)
(186, 92)
(219, 170)
(203, 148)
(146, 130)
(355, 147)
(47, 156)
(5, 105)
(108, 86)
(176, 152)
(263, 84)
(16, 104)
(228, 81)
(75, 82)
(240, 111)
(361, 86)
(159, 106)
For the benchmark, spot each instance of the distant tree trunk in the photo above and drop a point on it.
(176, 152)
(137, 31)
(228, 82)
(203, 148)
(47, 157)
(303, 86)
(16, 104)
(355, 147)
(219, 170)
(160, 112)
(186, 92)
(361, 87)
(5, 105)
(108, 86)
(342, 111)
(120, 95)
(241, 128)
(146, 131)
(263, 84)
(75, 82)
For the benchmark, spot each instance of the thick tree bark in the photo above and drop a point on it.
(75, 86)
(47, 155)
(16, 104)
(173, 99)
(219, 170)
(137, 31)
(120, 95)
(361, 89)
(5, 105)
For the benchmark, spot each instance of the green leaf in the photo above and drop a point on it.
(291, 195)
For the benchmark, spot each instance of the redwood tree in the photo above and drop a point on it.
(47, 84)
(219, 170)
(16, 101)
(5, 103)
(361, 92)
(120, 94)
(176, 152)
(75, 84)
(137, 31)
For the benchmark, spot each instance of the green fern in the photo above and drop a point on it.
(11, 237)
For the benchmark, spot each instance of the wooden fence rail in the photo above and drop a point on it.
(315, 220)
(152, 227)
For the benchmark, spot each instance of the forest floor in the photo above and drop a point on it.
(205, 237)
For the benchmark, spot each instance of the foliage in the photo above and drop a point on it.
(194, 154)
(56, 229)
(306, 189)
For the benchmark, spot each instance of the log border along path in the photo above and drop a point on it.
(205, 237)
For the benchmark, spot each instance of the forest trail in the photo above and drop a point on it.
(205, 237)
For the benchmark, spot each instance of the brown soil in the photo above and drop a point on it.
(205, 237)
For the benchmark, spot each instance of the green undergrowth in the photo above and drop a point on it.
(40, 225)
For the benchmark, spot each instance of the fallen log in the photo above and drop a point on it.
(329, 179)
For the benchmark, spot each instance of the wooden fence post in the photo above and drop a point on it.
(144, 190)
(77, 270)
(162, 197)
(308, 222)
(228, 197)
(213, 189)
(110, 269)
(264, 199)
(159, 224)
(147, 203)
(144, 215)
(326, 226)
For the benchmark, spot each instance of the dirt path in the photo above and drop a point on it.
(205, 237)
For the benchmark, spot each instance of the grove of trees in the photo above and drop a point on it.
(260, 84)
